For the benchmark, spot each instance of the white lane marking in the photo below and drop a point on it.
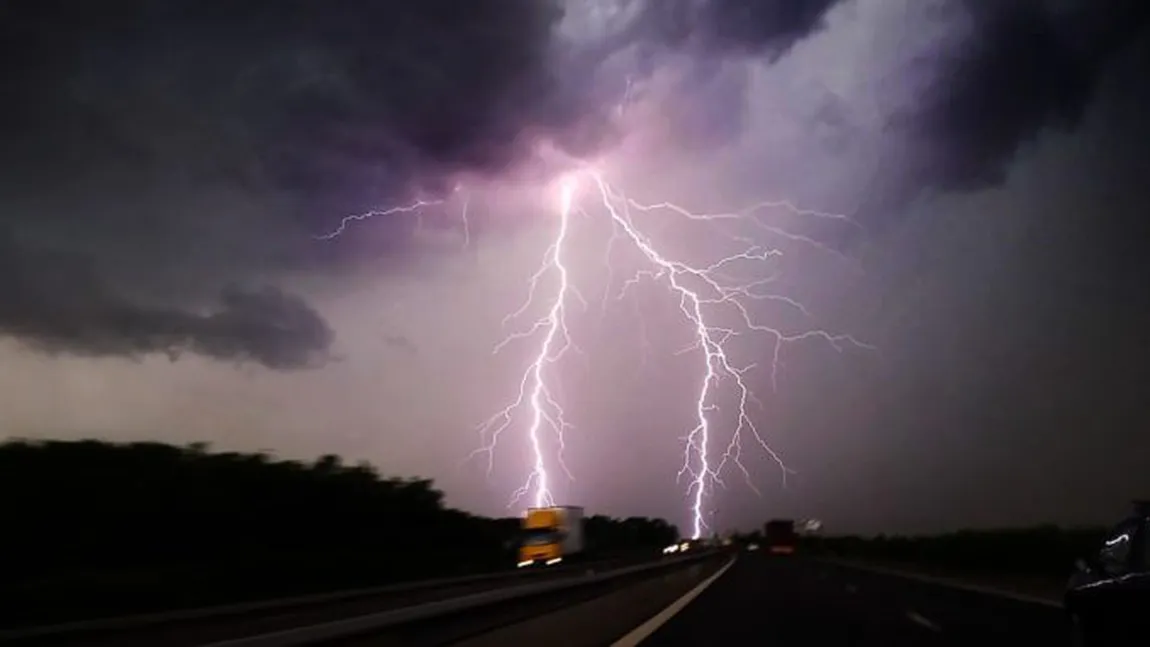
(963, 586)
(923, 620)
(640, 633)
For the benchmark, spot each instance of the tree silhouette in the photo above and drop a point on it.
(1036, 551)
(93, 528)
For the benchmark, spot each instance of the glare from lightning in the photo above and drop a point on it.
(702, 292)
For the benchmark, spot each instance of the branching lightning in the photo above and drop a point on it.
(698, 289)
(711, 339)
(706, 295)
(345, 222)
(546, 413)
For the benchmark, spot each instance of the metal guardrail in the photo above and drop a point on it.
(138, 621)
(363, 624)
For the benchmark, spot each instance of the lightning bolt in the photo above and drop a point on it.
(698, 290)
(703, 294)
(711, 339)
(414, 208)
(534, 392)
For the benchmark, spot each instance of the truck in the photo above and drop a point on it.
(551, 535)
(780, 536)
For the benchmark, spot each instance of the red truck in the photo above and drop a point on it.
(780, 536)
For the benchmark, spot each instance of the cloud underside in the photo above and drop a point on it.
(53, 303)
(331, 106)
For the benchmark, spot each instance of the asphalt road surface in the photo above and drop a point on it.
(785, 601)
(202, 630)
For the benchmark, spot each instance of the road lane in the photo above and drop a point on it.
(591, 616)
(1043, 591)
(194, 631)
(960, 612)
(780, 601)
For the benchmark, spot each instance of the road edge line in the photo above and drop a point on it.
(952, 584)
(345, 627)
(923, 621)
(652, 624)
(215, 611)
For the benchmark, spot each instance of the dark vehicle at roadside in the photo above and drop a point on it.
(1108, 596)
(780, 536)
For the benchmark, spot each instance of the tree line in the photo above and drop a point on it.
(1046, 550)
(93, 528)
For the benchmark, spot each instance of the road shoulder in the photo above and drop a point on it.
(1032, 592)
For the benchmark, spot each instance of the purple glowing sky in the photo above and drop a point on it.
(1000, 234)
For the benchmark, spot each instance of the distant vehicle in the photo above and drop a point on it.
(551, 535)
(1108, 596)
(752, 546)
(780, 536)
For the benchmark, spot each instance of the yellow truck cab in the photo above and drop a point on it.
(551, 535)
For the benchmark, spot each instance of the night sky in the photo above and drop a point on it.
(167, 170)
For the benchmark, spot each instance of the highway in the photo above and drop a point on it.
(430, 612)
(198, 627)
(725, 599)
(781, 601)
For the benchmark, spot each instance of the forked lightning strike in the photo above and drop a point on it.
(711, 339)
(702, 293)
(533, 390)
(713, 290)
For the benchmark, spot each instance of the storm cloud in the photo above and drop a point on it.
(168, 172)
(55, 303)
(1013, 71)
(193, 144)
(305, 109)
(186, 146)
(768, 28)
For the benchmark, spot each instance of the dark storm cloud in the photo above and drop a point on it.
(1023, 67)
(346, 104)
(328, 108)
(118, 113)
(756, 27)
(1018, 69)
(707, 108)
(326, 98)
(55, 303)
(340, 102)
